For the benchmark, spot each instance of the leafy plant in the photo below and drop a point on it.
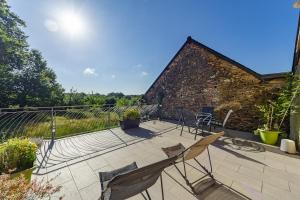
(17, 154)
(132, 114)
(275, 112)
(22, 189)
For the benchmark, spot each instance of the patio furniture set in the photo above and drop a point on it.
(198, 121)
(131, 180)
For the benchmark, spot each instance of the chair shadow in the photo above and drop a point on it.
(209, 189)
(140, 132)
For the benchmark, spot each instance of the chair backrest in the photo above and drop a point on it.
(208, 109)
(200, 146)
(226, 118)
(134, 182)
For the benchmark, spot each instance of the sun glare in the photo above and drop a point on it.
(72, 24)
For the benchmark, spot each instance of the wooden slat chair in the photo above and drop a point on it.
(185, 154)
(130, 180)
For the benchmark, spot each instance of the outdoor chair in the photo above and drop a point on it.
(202, 119)
(207, 109)
(130, 180)
(214, 123)
(184, 154)
(185, 118)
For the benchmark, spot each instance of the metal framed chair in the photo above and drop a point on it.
(185, 118)
(185, 154)
(202, 119)
(208, 109)
(214, 123)
(130, 180)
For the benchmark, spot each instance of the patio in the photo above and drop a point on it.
(245, 167)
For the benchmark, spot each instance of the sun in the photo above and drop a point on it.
(72, 23)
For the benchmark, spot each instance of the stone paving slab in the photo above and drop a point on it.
(256, 174)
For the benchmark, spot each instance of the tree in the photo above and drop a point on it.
(25, 79)
(36, 84)
(116, 94)
(13, 50)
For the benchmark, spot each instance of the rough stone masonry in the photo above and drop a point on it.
(198, 76)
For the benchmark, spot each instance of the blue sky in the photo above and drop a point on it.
(123, 45)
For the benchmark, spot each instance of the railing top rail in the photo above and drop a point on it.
(57, 108)
(52, 107)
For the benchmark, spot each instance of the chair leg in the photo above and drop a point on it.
(148, 195)
(211, 169)
(181, 129)
(162, 188)
(196, 132)
(204, 168)
(185, 178)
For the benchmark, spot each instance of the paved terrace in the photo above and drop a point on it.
(243, 167)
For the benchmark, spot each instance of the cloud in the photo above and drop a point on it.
(144, 73)
(51, 25)
(138, 66)
(90, 72)
(113, 76)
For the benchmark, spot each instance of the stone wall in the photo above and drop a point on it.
(198, 77)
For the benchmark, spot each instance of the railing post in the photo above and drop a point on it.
(53, 124)
(109, 118)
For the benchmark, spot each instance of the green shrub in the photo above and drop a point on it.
(17, 154)
(132, 114)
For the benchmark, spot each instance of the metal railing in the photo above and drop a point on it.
(62, 121)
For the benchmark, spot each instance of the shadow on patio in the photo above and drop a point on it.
(239, 166)
(67, 151)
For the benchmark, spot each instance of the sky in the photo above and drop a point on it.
(123, 45)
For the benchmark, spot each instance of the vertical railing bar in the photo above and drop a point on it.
(52, 125)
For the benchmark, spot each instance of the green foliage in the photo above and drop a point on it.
(123, 102)
(66, 126)
(17, 154)
(19, 188)
(276, 111)
(25, 79)
(116, 95)
(132, 114)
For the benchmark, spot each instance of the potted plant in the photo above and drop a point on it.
(275, 112)
(131, 119)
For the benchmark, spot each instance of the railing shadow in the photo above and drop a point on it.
(84, 147)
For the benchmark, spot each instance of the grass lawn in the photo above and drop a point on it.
(66, 126)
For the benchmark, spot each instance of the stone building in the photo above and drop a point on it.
(198, 76)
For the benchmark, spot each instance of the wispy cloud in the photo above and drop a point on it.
(138, 66)
(144, 73)
(90, 72)
(113, 76)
